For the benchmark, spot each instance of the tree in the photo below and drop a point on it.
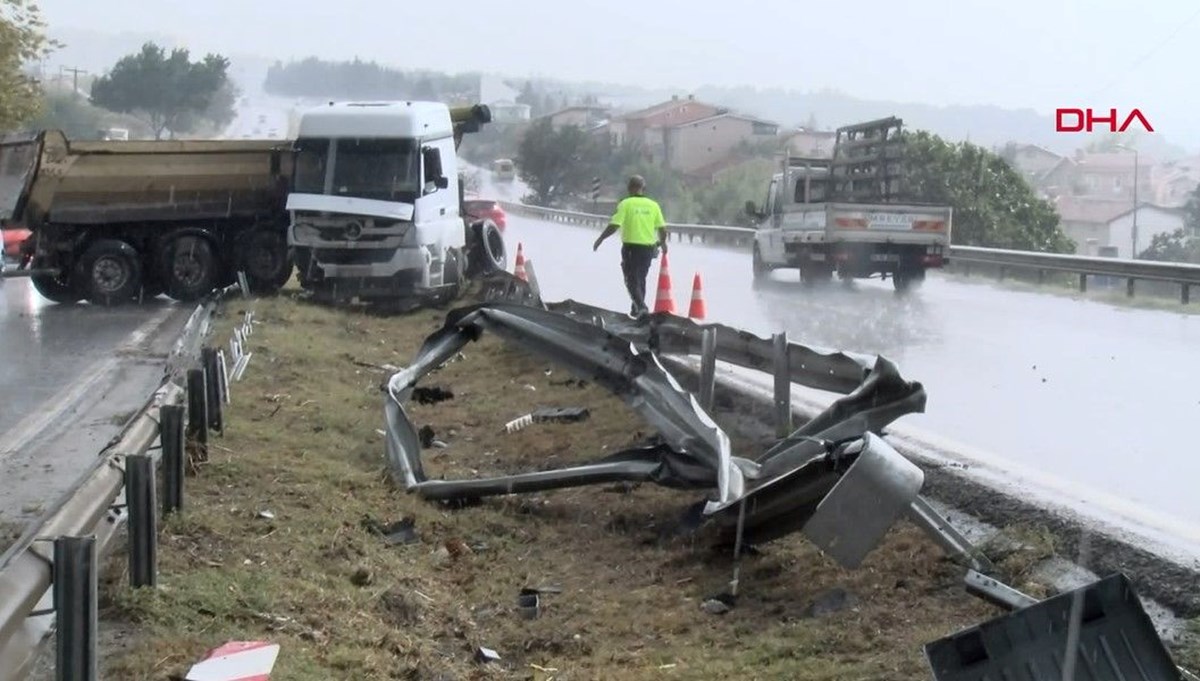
(22, 40)
(993, 205)
(556, 163)
(168, 91)
(1174, 247)
(1191, 213)
(77, 118)
(220, 112)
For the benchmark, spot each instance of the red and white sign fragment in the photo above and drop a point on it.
(237, 661)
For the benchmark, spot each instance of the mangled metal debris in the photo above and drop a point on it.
(1099, 632)
(832, 479)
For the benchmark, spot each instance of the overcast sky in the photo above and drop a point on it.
(1039, 54)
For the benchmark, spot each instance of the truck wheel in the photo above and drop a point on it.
(453, 276)
(190, 268)
(906, 280)
(815, 275)
(264, 256)
(761, 269)
(56, 288)
(109, 272)
(487, 254)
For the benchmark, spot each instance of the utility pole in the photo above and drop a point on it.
(1133, 233)
(1135, 204)
(74, 77)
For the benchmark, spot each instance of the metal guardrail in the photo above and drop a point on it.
(48, 576)
(1183, 274)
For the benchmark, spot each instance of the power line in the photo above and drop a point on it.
(1154, 50)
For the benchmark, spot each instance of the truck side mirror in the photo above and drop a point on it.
(432, 159)
(752, 209)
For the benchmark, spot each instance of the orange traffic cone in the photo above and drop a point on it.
(519, 267)
(697, 311)
(662, 300)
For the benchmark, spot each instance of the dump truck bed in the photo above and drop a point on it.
(47, 178)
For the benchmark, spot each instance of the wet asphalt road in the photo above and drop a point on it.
(44, 346)
(1100, 395)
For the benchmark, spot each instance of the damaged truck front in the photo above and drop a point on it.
(376, 204)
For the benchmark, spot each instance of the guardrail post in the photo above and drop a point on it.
(171, 432)
(708, 367)
(75, 608)
(198, 411)
(1041, 277)
(1185, 294)
(143, 523)
(783, 385)
(212, 384)
(1083, 282)
(1003, 271)
(1129, 287)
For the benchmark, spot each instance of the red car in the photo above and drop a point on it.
(479, 209)
(13, 238)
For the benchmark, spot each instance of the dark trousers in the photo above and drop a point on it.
(635, 264)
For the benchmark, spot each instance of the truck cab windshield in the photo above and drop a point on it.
(380, 169)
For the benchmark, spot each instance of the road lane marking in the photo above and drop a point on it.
(46, 413)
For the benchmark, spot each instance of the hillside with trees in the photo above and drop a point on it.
(318, 78)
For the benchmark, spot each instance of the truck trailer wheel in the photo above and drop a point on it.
(190, 267)
(487, 253)
(109, 272)
(264, 256)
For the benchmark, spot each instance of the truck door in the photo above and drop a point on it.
(438, 215)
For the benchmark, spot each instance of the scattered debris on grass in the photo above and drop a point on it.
(330, 585)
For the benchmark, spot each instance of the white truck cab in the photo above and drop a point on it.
(375, 199)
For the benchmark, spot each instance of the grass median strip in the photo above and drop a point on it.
(279, 540)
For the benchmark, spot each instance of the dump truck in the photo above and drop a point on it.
(115, 221)
(377, 203)
(849, 214)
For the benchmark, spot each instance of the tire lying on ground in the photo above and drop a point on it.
(262, 253)
(190, 266)
(57, 288)
(486, 253)
(109, 272)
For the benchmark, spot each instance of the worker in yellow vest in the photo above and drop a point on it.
(643, 232)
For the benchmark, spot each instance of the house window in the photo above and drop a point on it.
(763, 129)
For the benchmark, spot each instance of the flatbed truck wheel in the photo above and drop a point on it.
(760, 268)
(109, 272)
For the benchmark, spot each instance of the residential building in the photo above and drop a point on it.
(586, 117)
(811, 143)
(696, 144)
(1096, 224)
(1034, 163)
(1111, 175)
(646, 125)
(1175, 181)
